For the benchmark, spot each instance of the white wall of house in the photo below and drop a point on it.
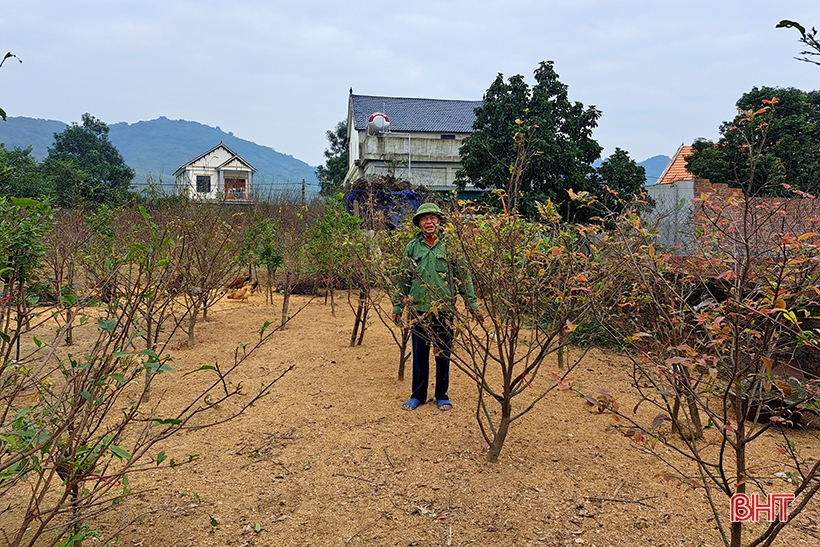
(187, 182)
(421, 158)
(215, 165)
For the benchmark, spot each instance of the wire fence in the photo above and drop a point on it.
(261, 190)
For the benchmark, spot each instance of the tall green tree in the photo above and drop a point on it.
(21, 174)
(84, 158)
(792, 139)
(553, 133)
(621, 175)
(331, 175)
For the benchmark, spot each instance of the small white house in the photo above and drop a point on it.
(218, 174)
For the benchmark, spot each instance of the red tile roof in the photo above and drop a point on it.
(676, 170)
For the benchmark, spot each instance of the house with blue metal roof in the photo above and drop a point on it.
(413, 139)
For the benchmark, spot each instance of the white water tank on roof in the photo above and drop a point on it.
(378, 122)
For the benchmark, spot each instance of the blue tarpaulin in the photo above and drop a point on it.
(392, 206)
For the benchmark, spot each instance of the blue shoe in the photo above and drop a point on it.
(412, 404)
(444, 404)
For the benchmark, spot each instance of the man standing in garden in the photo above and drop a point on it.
(430, 279)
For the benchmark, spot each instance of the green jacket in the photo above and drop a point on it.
(432, 275)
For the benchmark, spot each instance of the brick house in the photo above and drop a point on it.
(678, 211)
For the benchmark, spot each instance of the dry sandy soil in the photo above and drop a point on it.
(329, 458)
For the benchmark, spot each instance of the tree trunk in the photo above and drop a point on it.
(149, 338)
(361, 315)
(740, 409)
(363, 323)
(403, 353)
(269, 288)
(69, 335)
(562, 350)
(501, 433)
(287, 299)
(191, 324)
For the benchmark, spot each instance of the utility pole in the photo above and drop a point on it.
(303, 192)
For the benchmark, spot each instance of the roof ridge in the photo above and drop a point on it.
(417, 98)
(676, 168)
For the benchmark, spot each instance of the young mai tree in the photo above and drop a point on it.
(531, 281)
(75, 428)
(723, 339)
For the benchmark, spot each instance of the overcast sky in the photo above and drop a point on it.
(277, 72)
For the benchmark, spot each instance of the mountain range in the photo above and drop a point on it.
(157, 148)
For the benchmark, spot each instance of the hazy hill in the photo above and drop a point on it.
(35, 132)
(654, 167)
(160, 147)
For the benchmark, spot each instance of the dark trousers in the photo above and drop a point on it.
(431, 331)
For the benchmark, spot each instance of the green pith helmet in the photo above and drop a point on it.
(425, 209)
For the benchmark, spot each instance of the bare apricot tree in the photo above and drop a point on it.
(74, 429)
(209, 258)
(722, 337)
(69, 234)
(531, 281)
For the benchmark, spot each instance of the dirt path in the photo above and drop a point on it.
(329, 458)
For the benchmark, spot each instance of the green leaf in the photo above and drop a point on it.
(214, 523)
(159, 367)
(119, 452)
(24, 202)
(22, 412)
(203, 367)
(166, 421)
(161, 457)
(107, 325)
(257, 527)
(785, 23)
(37, 341)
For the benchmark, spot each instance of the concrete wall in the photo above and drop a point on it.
(421, 158)
(673, 214)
